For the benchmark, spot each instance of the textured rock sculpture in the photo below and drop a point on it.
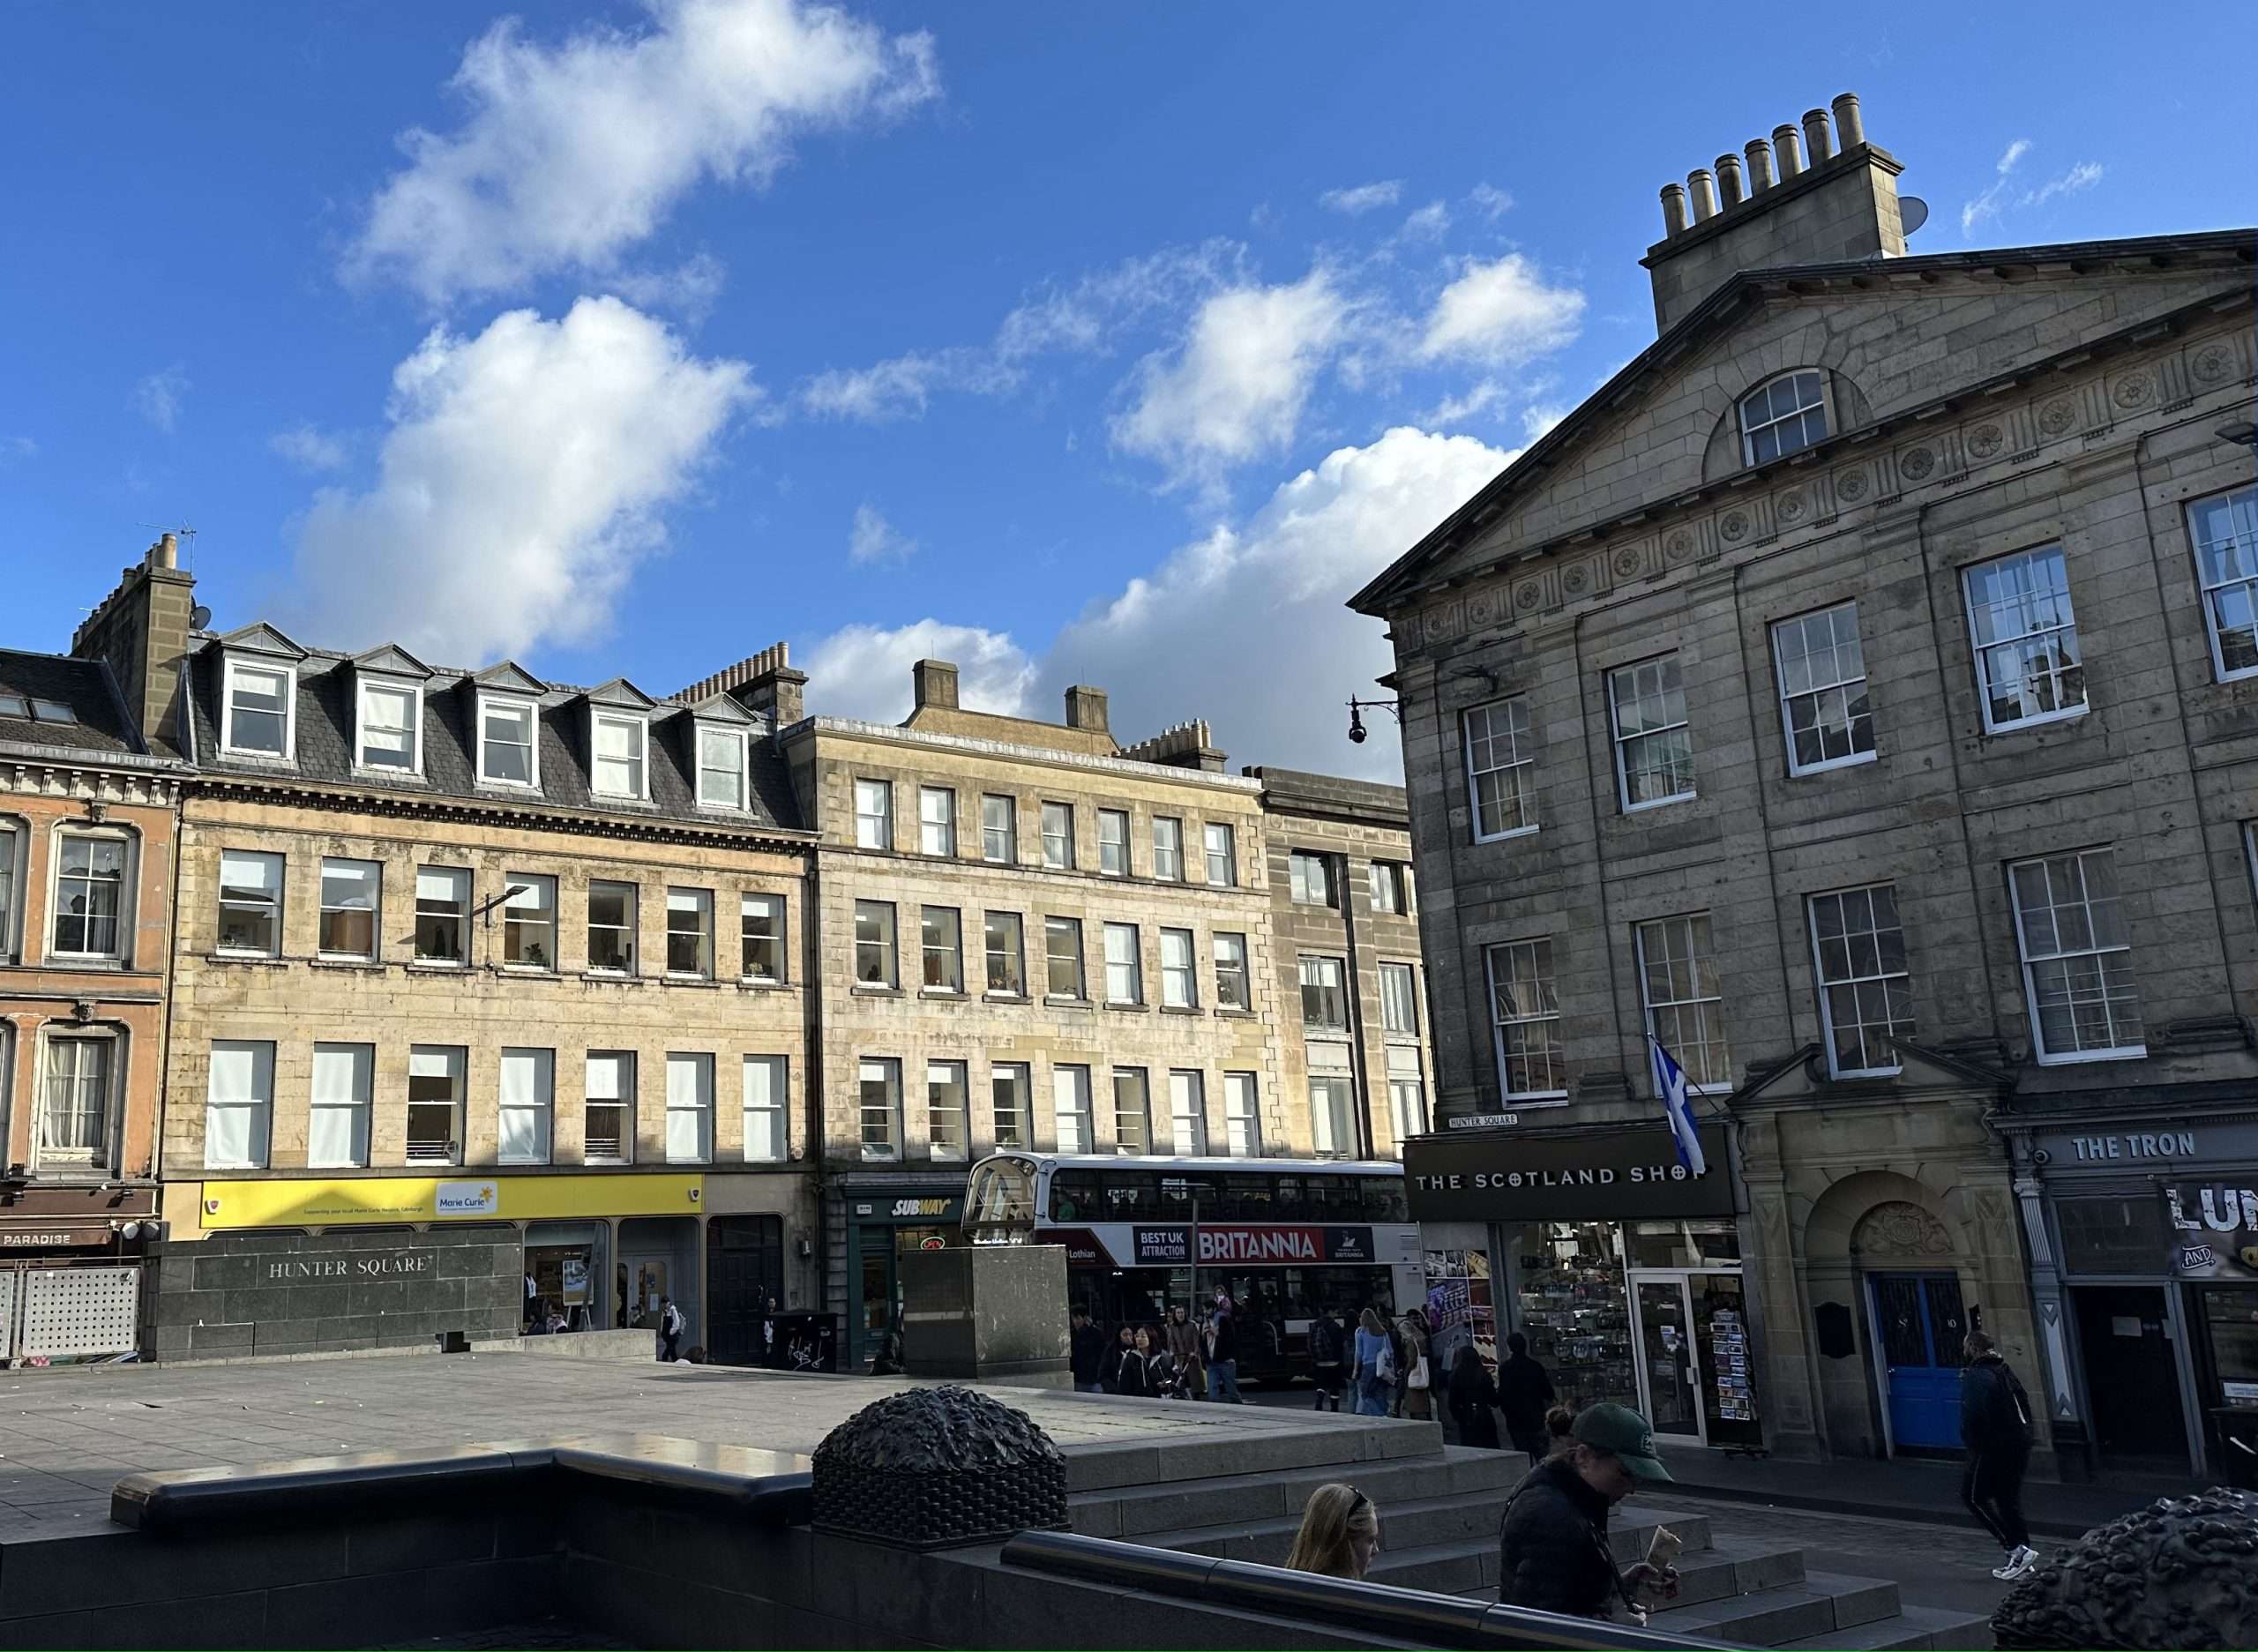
(2182, 1573)
(932, 1468)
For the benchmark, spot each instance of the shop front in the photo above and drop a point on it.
(71, 1272)
(2151, 1239)
(1621, 1267)
(883, 1225)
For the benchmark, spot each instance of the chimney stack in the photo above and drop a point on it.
(142, 630)
(1086, 709)
(764, 682)
(1849, 126)
(1760, 166)
(1704, 194)
(1673, 209)
(1815, 136)
(1787, 143)
(1729, 181)
(934, 682)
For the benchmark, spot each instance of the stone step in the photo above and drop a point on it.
(1243, 1443)
(1914, 1629)
(1134, 1511)
(1703, 1575)
(1410, 1525)
(1824, 1603)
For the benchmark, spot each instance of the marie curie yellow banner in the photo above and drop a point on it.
(342, 1203)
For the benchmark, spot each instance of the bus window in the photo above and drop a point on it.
(1002, 1198)
(1075, 1196)
(1274, 1197)
(1179, 1192)
(1130, 1195)
(1334, 1199)
(1384, 1199)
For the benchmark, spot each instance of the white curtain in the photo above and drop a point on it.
(337, 1134)
(239, 1105)
(689, 1108)
(765, 1116)
(527, 1084)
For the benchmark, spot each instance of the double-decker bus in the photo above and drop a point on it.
(1285, 1236)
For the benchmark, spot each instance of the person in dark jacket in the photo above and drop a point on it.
(1086, 1346)
(1995, 1426)
(1524, 1395)
(1124, 1347)
(1134, 1375)
(1223, 1353)
(1473, 1400)
(1553, 1550)
(1328, 1341)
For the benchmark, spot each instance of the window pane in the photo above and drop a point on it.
(442, 913)
(1399, 999)
(874, 814)
(947, 1129)
(1132, 1111)
(1230, 972)
(348, 907)
(761, 922)
(1168, 850)
(259, 710)
(1866, 995)
(1187, 1107)
(435, 1095)
(1008, 1086)
(525, 1092)
(1242, 1117)
(238, 1106)
(881, 1110)
(529, 921)
(942, 937)
(998, 830)
(337, 1132)
(689, 932)
(387, 727)
(1113, 842)
(608, 1129)
(2027, 659)
(937, 820)
(1684, 1002)
(250, 902)
(2077, 958)
(1062, 940)
(506, 750)
(1069, 1095)
(90, 885)
(1006, 961)
(689, 1108)
(1500, 778)
(874, 943)
(1058, 835)
(766, 1139)
(620, 743)
(1223, 857)
(1123, 973)
(612, 927)
(721, 767)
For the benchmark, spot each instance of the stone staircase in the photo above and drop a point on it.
(1441, 1511)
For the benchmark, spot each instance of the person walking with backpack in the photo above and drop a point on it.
(671, 1326)
(1327, 1345)
(1524, 1395)
(1995, 1426)
(1373, 1372)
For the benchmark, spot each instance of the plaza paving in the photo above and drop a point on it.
(66, 1436)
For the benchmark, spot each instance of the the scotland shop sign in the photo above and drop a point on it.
(1586, 1177)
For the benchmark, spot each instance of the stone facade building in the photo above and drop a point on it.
(86, 814)
(1856, 694)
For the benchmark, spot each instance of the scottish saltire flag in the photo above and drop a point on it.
(1678, 1108)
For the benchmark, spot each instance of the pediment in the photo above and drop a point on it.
(722, 708)
(391, 659)
(1803, 1078)
(509, 678)
(261, 639)
(619, 694)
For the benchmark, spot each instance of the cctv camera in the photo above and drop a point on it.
(1356, 733)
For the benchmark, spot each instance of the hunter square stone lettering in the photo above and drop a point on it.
(1586, 1176)
(399, 1265)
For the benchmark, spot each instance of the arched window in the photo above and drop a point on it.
(1782, 416)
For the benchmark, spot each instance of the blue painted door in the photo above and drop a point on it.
(1920, 1322)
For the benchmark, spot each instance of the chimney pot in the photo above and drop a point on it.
(1729, 195)
(1849, 125)
(1788, 144)
(934, 682)
(1086, 709)
(1760, 166)
(166, 552)
(1704, 193)
(1673, 209)
(1815, 136)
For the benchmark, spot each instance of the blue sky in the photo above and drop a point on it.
(1114, 344)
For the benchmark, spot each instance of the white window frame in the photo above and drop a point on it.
(2241, 503)
(460, 878)
(892, 942)
(1978, 650)
(543, 889)
(122, 919)
(885, 1071)
(1244, 971)
(1338, 1122)
(1128, 858)
(455, 1060)
(953, 952)
(740, 772)
(1010, 829)
(1297, 884)
(1406, 1077)
(280, 870)
(256, 1104)
(15, 865)
(1165, 854)
(355, 1106)
(1242, 1125)
(1394, 877)
(1187, 1112)
(1013, 1123)
(1771, 421)
(233, 665)
(941, 1075)
(532, 1074)
(1013, 953)
(2047, 1058)
(375, 910)
(100, 1158)
(1180, 982)
(1849, 688)
(1080, 995)
(1314, 963)
(1853, 981)
(767, 1109)
(937, 821)
(1546, 972)
(874, 827)
(701, 902)
(1408, 975)
(1620, 740)
(600, 717)
(364, 686)
(1226, 851)
(632, 929)
(1134, 1109)
(1064, 861)
(1134, 963)
(690, 1107)
(619, 1066)
(491, 700)
(1519, 768)
(777, 908)
(1072, 1120)
(1677, 1047)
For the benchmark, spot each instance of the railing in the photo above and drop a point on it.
(1397, 1614)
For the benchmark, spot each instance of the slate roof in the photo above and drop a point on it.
(83, 686)
(325, 746)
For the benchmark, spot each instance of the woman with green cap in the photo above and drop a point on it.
(1554, 1552)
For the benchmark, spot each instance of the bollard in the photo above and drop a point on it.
(938, 1468)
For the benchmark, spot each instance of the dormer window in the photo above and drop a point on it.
(1782, 416)
(508, 751)
(622, 744)
(721, 767)
(390, 723)
(259, 713)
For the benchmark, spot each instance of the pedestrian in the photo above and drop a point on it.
(1554, 1550)
(671, 1326)
(888, 1361)
(1184, 1352)
(1133, 1375)
(1223, 1353)
(1473, 1400)
(1327, 1344)
(1339, 1536)
(1163, 1379)
(1524, 1395)
(1995, 1426)
(1413, 1395)
(1373, 1372)
(1085, 1352)
(1109, 1373)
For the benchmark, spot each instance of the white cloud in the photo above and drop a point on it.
(1235, 388)
(1364, 197)
(1987, 203)
(1491, 202)
(2083, 175)
(873, 539)
(1500, 312)
(1457, 409)
(309, 449)
(15, 447)
(1431, 220)
(863, 670)
(518, 486)
(894, 389)
(690, 288)
(1539, 420)
(571, 153)
(158, 397)
(1994, 203)
(1246, 626)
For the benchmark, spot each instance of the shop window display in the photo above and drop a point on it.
(1460, 1309)
(1574, 1313)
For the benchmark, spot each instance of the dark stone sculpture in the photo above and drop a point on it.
(2182, 1573)
(938, 1467)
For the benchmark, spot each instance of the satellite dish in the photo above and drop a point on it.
(1912, 212)
(199, 618)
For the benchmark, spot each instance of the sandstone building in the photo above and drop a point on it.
(1859, 694)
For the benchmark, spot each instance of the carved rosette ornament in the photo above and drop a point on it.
(1917, 464)
(1575, 578)
(1679, 545)
(2212, 363)
(1627, 562)
(1985, 440)
(1733, 527)
(2182, 1571)
(1850, 486)
(1482, 608)
(2057, 415)
(1790, 507)
(1527, 595)
(2134, 390)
